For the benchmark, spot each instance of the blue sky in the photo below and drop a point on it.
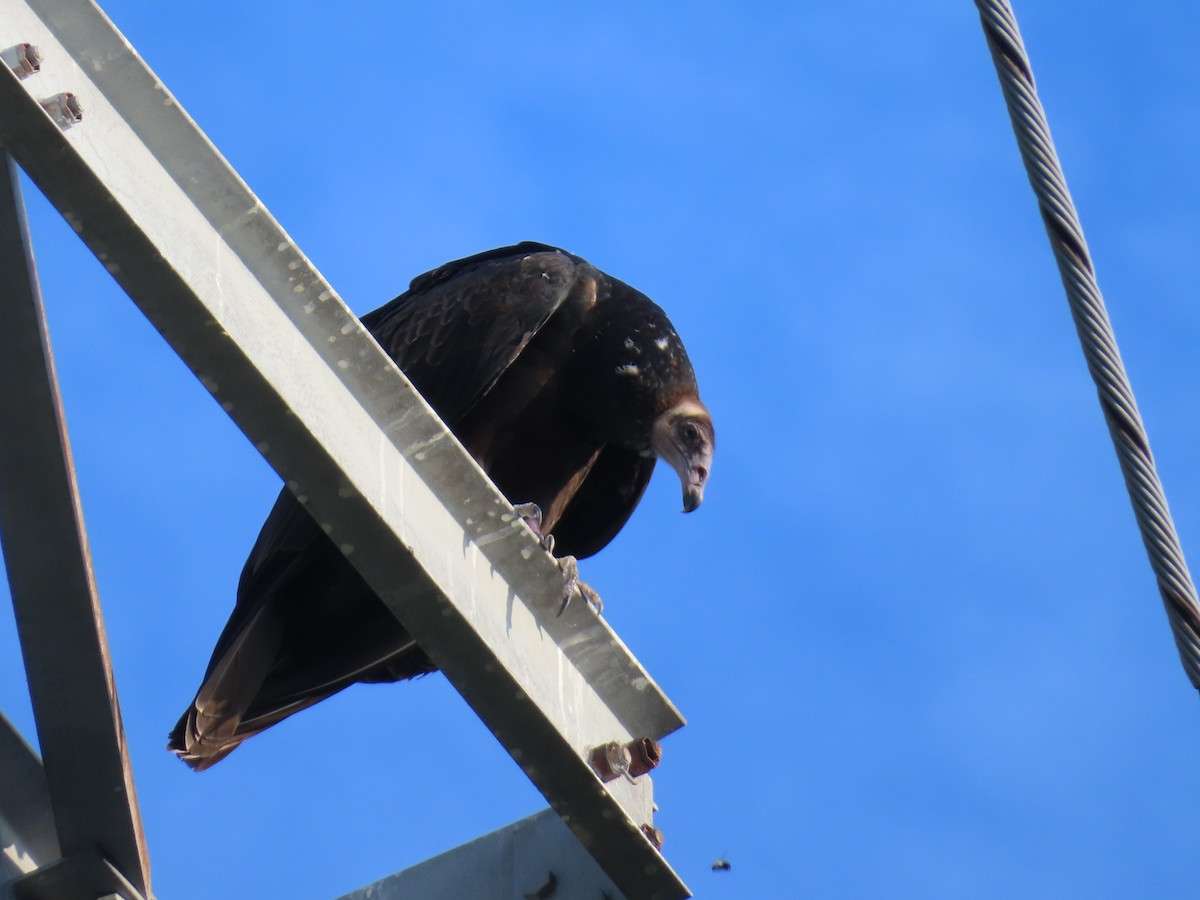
(913, 627)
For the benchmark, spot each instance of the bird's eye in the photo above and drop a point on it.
(690, 432)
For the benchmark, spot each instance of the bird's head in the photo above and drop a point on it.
(684, 437)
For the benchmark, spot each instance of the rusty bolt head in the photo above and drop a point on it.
(24, 59)
(64, 109)
(646, 754)
(654, 835)
(610, 761)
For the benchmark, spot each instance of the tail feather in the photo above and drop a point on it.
(242, 695)
(305, 626)
(212, 726)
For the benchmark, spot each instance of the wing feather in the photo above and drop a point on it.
(604, 502)
(456, 330)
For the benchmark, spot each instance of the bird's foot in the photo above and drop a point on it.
(531, 513)
(570, 570)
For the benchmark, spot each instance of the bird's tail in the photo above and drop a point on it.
(239, 699)
(202, 740)
(214, 725)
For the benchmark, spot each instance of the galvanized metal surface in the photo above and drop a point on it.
(1095, 331)
(535, 857)
(84, 876)
(49, 570)
(27, 836)
(293, 367)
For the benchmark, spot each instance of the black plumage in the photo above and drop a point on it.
(565, 385)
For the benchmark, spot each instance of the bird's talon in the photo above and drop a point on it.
(590, 595)
(570, 569)
(531, 513)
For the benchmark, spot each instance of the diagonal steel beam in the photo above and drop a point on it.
(50, 576)
(281, 353)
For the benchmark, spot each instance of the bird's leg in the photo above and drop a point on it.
(532, 514)
(570, 569)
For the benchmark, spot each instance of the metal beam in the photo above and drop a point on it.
(536, 857)
(50, 576)
(82, 876)
(27, 836)
(313, 391)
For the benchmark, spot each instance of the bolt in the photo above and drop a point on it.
(64, 109)
(654, 835)
(610, 761)
(645, 754)
(24, 59)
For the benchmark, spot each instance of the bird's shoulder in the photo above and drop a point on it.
(483, 266)
(460, 326)
(524, 283)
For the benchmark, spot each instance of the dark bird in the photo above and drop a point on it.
(563, 383)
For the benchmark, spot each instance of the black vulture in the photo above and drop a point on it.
(564, 383)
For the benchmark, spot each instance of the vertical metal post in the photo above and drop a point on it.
(54, 592)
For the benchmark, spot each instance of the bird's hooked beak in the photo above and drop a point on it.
(684, 437)
(693, 496)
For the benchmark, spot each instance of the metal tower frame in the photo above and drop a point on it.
(292, 366)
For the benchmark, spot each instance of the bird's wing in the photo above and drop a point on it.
(604, 502)
(457, 328)
(287, 544)
(248, 646)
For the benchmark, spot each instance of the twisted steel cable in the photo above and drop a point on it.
(1095, 330)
